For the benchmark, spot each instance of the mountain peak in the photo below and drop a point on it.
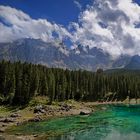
(57, 54)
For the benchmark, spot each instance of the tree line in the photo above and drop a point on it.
(19, 82)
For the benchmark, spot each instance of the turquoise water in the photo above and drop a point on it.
(116, 122)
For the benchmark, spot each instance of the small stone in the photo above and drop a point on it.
(15, 115)
(3, 125)
(18, 134)
(39, 109)
(35, 135)
(36, 119)
(2, 130)
(8, 120)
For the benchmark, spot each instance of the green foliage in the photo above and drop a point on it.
(20, 82)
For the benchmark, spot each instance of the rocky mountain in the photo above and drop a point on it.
(58, 55)
(134, 63)
(35, 51)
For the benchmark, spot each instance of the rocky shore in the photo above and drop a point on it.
(39, 113)
(43, 112)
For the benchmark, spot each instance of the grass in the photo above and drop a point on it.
(26, 111)
(6, 110)
(38, 100)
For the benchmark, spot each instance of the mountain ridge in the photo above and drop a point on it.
(57, 54)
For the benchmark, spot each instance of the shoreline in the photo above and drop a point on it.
(53, 111)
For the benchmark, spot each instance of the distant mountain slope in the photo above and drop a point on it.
(122, 71)
(35, 51)
(134, 63)
(58, 55)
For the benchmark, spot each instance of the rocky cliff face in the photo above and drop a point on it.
(58, 55)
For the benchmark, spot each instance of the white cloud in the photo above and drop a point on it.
(15, 24)
(111, 26)
(77, 3)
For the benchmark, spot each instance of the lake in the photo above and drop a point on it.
(109, 122)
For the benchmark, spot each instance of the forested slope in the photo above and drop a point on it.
(19, 82)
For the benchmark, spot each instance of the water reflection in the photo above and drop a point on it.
(115, 123)
(114, 135)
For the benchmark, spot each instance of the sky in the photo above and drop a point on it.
(59, 11)
(112, 25)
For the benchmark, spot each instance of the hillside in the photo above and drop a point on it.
(20, 82)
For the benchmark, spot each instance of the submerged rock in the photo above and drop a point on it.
(103, 108)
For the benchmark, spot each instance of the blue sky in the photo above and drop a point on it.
(111, 25)
(59, 11)
(138, 1)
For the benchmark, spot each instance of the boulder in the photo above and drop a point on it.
(2, 130)
(7, 120)
(65, 107)
(35, 136)
(36, 119)
(39, 109)
(85, 112)
(15, 115)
